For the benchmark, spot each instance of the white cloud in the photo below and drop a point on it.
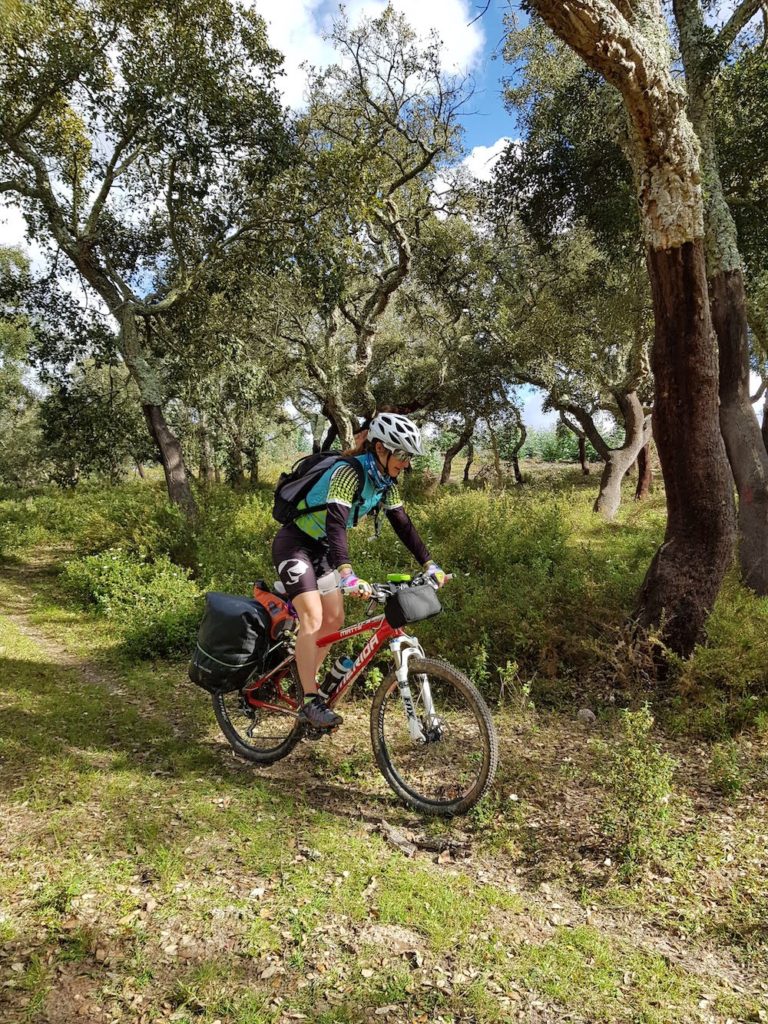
(482, 159)
(296, 28)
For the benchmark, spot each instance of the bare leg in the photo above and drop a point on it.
(333, 619)
(318, 615)
(309, 607)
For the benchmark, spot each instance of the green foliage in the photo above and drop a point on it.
(155, 604)
(637, 777)
(563, 446)
(90, 518)
(234, 540)
(726, 769)
(540, 583)
(537, 596)
(723, 686)
(92, 423)
(735, 657)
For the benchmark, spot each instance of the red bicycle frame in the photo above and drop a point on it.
(382, 632)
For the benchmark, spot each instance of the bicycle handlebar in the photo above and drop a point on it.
(381, 591)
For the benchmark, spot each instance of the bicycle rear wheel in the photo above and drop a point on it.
(260, 734)
(448, 771)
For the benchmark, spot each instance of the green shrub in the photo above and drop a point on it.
(136, 517)
(234, 538)
(155, 604)
(726, 770)
(735, 657)
(637, 778)
(723, 686)
(20, 529)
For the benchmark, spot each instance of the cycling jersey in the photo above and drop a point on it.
(336, 489)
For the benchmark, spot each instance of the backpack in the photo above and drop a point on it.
(294, 486)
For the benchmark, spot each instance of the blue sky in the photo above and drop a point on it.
(486, 119)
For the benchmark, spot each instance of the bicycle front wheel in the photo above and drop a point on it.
(448, 767)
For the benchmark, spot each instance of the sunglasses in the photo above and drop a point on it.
(401, 456)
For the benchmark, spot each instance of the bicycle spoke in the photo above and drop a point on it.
(261, 733)
(449, 762)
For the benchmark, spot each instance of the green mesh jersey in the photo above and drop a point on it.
(339, 486)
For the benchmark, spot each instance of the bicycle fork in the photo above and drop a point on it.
(403, 649)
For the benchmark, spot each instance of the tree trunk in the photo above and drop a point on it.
(343, 422)
(616, 461)
(206, 453)
(516, 450)
(619, 460)
(496, 457)
(516, 468)
(140, 470)
(171, 457)
(741, 431)
(462, 441)
(583, 455)
(468, 463)
(316, 424)
(686, 572)
(629, 44)
(644, 473)
(330, 437)
(582, 439)
(764, 428)
(150, 392)
(236, 472)
(254, 466)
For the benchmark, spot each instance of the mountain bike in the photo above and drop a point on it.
(433, 736)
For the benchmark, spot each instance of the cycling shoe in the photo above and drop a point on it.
(317, 714)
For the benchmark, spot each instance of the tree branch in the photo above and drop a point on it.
(587, 424)
(22, 187)
(111, 174)
(737, 21)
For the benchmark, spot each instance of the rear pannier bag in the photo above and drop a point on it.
(411, 605)
(231, 643)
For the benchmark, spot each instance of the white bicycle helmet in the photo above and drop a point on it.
(396, 433)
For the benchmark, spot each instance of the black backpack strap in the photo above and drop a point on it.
(350, 460)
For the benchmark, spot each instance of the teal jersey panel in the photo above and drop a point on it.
(338, 484)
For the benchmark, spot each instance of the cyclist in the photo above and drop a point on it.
(311, 554)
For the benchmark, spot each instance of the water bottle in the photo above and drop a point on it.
(336, 673)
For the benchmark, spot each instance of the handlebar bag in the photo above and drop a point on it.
(413, 604)
(231, 643)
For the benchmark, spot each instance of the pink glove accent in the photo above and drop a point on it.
(350, 584)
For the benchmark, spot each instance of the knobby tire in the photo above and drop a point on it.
(451, 677)
(249, 750)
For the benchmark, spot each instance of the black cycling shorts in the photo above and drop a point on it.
(301, 562)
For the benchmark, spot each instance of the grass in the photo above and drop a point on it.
(150, 872)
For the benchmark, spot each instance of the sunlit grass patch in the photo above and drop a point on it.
(607, 980)
(445, 908)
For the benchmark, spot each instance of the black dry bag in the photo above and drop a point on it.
(412, 604)
(231, 643)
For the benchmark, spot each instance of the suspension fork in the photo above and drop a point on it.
(403, 649)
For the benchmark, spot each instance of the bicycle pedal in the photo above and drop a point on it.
(311, 733)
